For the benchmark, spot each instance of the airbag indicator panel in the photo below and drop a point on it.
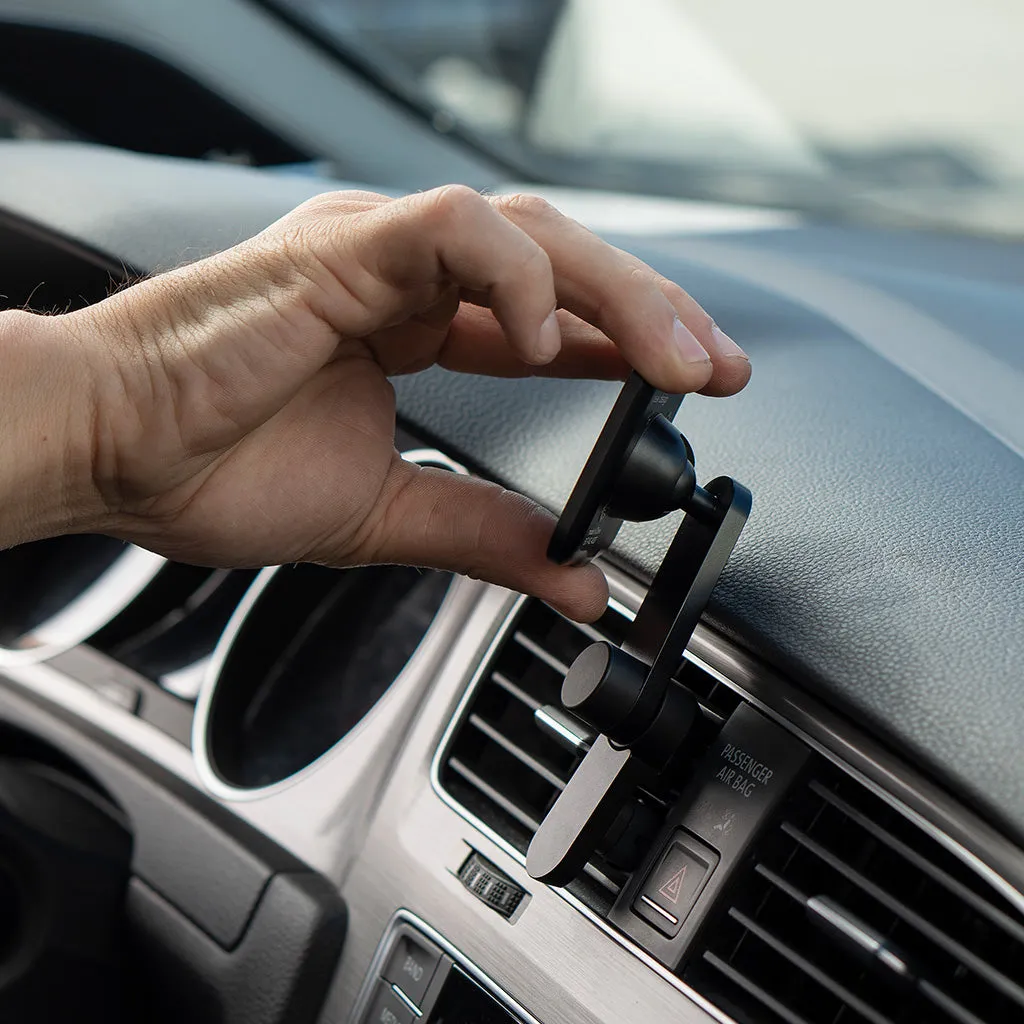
(740, 781)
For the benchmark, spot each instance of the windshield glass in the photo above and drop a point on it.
(908, 109)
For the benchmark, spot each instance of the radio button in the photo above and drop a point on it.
(387, 1008)
(411, 967)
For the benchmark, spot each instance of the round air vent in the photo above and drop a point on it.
(307, 655)
(56, 593)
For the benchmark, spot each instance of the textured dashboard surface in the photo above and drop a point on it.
(883, 565)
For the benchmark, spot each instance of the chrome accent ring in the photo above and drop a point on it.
(201, 753)
(90, 610)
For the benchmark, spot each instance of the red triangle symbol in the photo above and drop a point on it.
(671, 889)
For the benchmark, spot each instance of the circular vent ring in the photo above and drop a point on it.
(306, 657)
(56, 593)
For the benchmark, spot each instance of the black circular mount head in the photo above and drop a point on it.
(585, 526)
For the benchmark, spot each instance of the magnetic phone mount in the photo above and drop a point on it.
(641, 468)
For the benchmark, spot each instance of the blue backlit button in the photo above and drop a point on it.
(411, 967)
(388, 1008)
(673, 886)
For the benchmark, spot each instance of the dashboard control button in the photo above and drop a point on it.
(491, 886)
(673, 886)
(388, 1008)
(411, 967)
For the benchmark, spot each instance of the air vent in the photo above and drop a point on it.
(169, 632)
(850, 913)
(311, 655)
(506, 770)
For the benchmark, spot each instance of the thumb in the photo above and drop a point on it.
(433, 518)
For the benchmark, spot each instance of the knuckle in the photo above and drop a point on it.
(537, 263)
(526, 206)
(673, 292)
(638, 275)
(639, 280)
(452, 201)
(682, 300)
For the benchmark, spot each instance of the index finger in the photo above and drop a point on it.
(662, 332)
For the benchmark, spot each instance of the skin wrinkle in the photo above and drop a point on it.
(158, 376)
(324, 304)
(370, 538)
(243, 415)
(38, 373)
(585, 350)
(516, 273)
(114, 419)
(91, 427)
(327, 385)
(218, 388)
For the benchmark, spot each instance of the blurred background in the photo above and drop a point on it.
(899, 110)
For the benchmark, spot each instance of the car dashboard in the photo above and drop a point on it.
(332, 778)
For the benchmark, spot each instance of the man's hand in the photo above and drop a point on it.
(241, 413)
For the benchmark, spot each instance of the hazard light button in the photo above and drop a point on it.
(673, 886)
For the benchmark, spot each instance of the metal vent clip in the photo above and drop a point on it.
(640, 469)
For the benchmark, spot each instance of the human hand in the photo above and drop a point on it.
(239, 408)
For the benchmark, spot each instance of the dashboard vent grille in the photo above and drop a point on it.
(767, 956)
(506, 771)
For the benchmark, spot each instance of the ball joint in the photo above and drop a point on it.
(658, 477)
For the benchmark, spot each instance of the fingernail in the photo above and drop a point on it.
(689, 347)
(726, 346)
(549, 340)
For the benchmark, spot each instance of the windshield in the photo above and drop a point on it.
(913, 108)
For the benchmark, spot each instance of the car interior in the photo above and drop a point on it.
(387, 795)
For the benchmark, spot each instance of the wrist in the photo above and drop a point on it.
(46, 429)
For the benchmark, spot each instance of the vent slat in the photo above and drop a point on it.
(737, 978)
(933, 871)
(592, 633)
(515, 691)
(602, 879)
(504, 763)
(935, 995)
(915, 920)
(780, 883)
(948, 1005)
(834, 840)
(525, 759)
(491, 793)
(540, 653)
(814, 972)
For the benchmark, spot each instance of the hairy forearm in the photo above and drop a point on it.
(46, 410)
